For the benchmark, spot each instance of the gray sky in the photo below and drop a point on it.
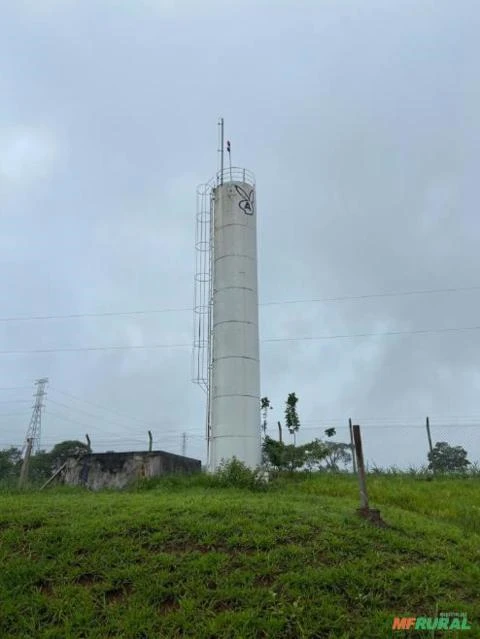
(362, 125)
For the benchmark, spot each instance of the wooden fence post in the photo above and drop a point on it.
(364, 511)
(24, 470)
(429, 435)
(352, 446)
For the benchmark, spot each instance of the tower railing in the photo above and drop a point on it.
(235, 174)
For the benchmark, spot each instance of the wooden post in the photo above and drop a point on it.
(150, 441)
(24, 470)
(364, 511)
(352, 446)
(55, 474)
(89, 444)
(429, 435)
(361, 467)
(279, 432)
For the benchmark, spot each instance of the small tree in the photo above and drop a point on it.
(289, 457)
(447, 459)
(315, 452)
(274, 452)
(291, 416)
(337, 452)
(40, 466)
(10, 459)
(69, 448)
(265, 405)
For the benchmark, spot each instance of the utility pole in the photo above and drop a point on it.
(429, 435)
(279, 432)
(25, 462)
(150, 441)
(352, 446)
(184, 444)
(35, 427)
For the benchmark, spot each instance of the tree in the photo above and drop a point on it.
(330, 432)
(291, 416)
(10, 459)
(315, 452)
(447, 459)
(62, 451)
(289, 457)
(337, 452)
(40, 467)
(265, 405)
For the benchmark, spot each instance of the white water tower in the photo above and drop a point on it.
(226, 339)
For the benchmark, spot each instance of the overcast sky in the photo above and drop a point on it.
(361, 122)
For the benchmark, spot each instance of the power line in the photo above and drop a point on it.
(343, 298)
(10, 414)
(95, 416)
(424, 331)
(110, 410)
(384, 334)
(164, 432)
(399, 426)
(92, 348)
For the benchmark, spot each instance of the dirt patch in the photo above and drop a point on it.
(169, 604)
(119, 593)
(226, 604)
(45, 587)
(264, 580)
(88, 579)
(33, 525)
(373, 516)
(182, 548)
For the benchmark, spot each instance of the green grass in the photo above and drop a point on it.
(180, 558)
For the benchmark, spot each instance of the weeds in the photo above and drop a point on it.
(227, 555)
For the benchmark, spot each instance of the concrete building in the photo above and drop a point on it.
(118, 470)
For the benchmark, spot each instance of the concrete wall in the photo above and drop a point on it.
(117, 470)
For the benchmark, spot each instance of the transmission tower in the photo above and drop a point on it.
(184, 444)
(35, 427)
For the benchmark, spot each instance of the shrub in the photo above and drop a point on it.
(236, 474)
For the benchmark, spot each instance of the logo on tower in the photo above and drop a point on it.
(247, 204)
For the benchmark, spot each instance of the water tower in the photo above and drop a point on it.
(226, 341)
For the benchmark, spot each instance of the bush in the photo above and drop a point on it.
(236, 474)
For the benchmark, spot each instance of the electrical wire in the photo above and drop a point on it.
(90, 403)
(29, 318)
(79, 349)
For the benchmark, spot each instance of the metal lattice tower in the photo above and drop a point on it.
(35, 427)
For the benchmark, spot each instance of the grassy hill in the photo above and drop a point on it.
(180, 558)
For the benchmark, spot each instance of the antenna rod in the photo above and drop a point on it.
(221, 150)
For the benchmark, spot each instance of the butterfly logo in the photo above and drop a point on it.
(247, 204)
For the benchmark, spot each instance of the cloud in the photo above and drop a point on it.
(27, 154)
(362, 127)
